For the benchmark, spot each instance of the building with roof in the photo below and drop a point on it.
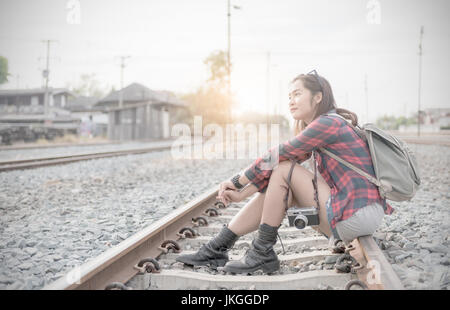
(145, 114)
(31, 101)
(94, 120)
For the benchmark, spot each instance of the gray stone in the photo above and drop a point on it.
(331, 259)
(379, 235)
(424, 252)
(409, 246)
(31, 243)
(433, 247)
(401, 257)
(31, 251)
(6, 280)
(400, 271)
(25, 266)
(54, 268)
(22, 243)
(445, 261)
(56, 257)
(15, 286)
(394, 253)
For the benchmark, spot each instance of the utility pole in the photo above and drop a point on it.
(420, 80)
(122, 67)
(268, 88)
(367, 97)
(46, 74)
(229, 62)
(229, 55)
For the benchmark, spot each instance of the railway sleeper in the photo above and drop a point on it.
(175, 279)
(284, 232)
(242, 243)
(292, 259)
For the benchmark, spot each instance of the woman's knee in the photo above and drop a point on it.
(282, 169)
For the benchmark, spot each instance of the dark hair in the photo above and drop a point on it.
(327, 104)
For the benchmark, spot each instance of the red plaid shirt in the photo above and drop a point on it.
(349, 190)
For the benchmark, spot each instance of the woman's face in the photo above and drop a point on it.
(301, 103)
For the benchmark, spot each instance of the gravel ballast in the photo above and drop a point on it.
(56, 218)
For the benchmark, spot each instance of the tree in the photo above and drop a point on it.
(217, 63)
(88, 86)
(393, 123)
(3, 70)
(211, 100)
(210, 103)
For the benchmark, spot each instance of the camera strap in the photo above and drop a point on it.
(286, 198)
(314, 182)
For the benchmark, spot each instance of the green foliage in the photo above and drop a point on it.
(393, 123)
(217, 63)
(3, 70)
(211, 100)
(88, 86)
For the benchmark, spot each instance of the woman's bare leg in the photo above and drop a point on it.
(301, 185)
(248, 218)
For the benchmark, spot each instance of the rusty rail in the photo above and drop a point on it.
(155, 244)
(59, 160)
(117, 264)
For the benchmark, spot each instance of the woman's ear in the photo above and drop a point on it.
(318, 98)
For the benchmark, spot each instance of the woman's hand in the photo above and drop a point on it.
(230, 196)
(226, 185)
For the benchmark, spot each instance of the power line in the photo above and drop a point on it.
(420, 81)
(366, 91)
(268, 88)
(229, 55)
(122, 67)
(46, 74)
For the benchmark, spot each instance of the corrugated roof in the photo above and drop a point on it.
(81, 103)
(136, 92)
(32, 91)
(132, 93)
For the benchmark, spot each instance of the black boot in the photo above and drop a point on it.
(214, 253)
(260, 255)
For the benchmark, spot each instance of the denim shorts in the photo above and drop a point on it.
(363, 222)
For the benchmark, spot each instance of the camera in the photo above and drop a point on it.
(302, 217)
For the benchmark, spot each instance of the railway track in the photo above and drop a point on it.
(59, 160)
(146, 260)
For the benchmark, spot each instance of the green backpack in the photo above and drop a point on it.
(396, 170)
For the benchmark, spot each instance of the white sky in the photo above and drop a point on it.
(168, 41)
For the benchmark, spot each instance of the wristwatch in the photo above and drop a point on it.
(235, 181)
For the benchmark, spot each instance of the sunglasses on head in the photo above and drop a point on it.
(314, 73)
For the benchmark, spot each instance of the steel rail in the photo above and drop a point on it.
(34, 146)
(59, 160)
(117, 266)
(66, 159)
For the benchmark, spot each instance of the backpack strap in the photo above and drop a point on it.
(358, 130)
(349, 165)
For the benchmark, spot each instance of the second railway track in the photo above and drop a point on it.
(59, 160)
(146, 260)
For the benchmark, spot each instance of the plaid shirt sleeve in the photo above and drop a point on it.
(322, 131)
